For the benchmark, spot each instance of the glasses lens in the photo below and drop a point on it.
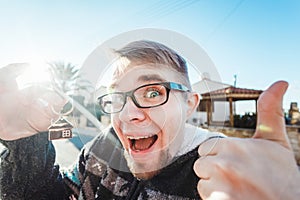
(112, 103)
(151, 95)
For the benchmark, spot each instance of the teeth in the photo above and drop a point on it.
(140, 137)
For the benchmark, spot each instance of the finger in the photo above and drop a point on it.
(203, 189)
(202, 167)
(55, 100)
(9, 73)
(40, 118)
(208, 147)
(13, 70)
(39, 114)
(213, 190)
(270, 118)
(45, 109)
(46, 96)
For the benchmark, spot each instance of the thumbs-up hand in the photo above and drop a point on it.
(262, 167)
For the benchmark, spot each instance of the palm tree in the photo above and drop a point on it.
(67, 78)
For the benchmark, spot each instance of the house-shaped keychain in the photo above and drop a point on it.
(60, 129)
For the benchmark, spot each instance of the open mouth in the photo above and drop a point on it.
(142, 143)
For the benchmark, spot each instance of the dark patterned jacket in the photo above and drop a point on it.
(28, 172)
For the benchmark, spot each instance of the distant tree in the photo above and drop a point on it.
(67, 78)
(95, 110)
(248, 120)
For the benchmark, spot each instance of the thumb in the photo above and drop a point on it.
(270, 117)
(13, 70)
(9, 73)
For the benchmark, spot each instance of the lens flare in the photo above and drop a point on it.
(36, 74)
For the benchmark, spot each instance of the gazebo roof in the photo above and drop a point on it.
(236, 94)
(206, 85)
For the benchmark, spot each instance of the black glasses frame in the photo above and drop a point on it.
(168, 85)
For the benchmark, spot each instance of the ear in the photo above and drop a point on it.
(192, 103)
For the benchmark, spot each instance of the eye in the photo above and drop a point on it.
(152, 93)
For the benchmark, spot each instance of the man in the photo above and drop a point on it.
(149, 152)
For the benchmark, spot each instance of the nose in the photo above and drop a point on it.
(131, 113)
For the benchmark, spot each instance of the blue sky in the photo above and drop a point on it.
(258, 40)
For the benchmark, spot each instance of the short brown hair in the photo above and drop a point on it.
(145, 51)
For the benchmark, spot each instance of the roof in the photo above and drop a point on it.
(206, 85)
(61, 123)
(232, 92)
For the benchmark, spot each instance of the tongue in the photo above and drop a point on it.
(143, 144)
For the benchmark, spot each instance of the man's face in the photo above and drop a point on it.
(150, 136)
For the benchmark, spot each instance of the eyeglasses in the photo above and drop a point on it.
(145, 96)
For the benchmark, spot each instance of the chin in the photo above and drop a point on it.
(149, 169)
(146, 175)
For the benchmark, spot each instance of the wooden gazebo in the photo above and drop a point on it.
(230, 94)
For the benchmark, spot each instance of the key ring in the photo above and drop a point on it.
(60, 113)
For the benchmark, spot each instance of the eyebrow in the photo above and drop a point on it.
(143, 78)
(151, 77)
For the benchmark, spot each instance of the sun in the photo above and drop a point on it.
(37, 73)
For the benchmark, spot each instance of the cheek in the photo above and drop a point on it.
(171, 123)
(170, 117)
(116, 124)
